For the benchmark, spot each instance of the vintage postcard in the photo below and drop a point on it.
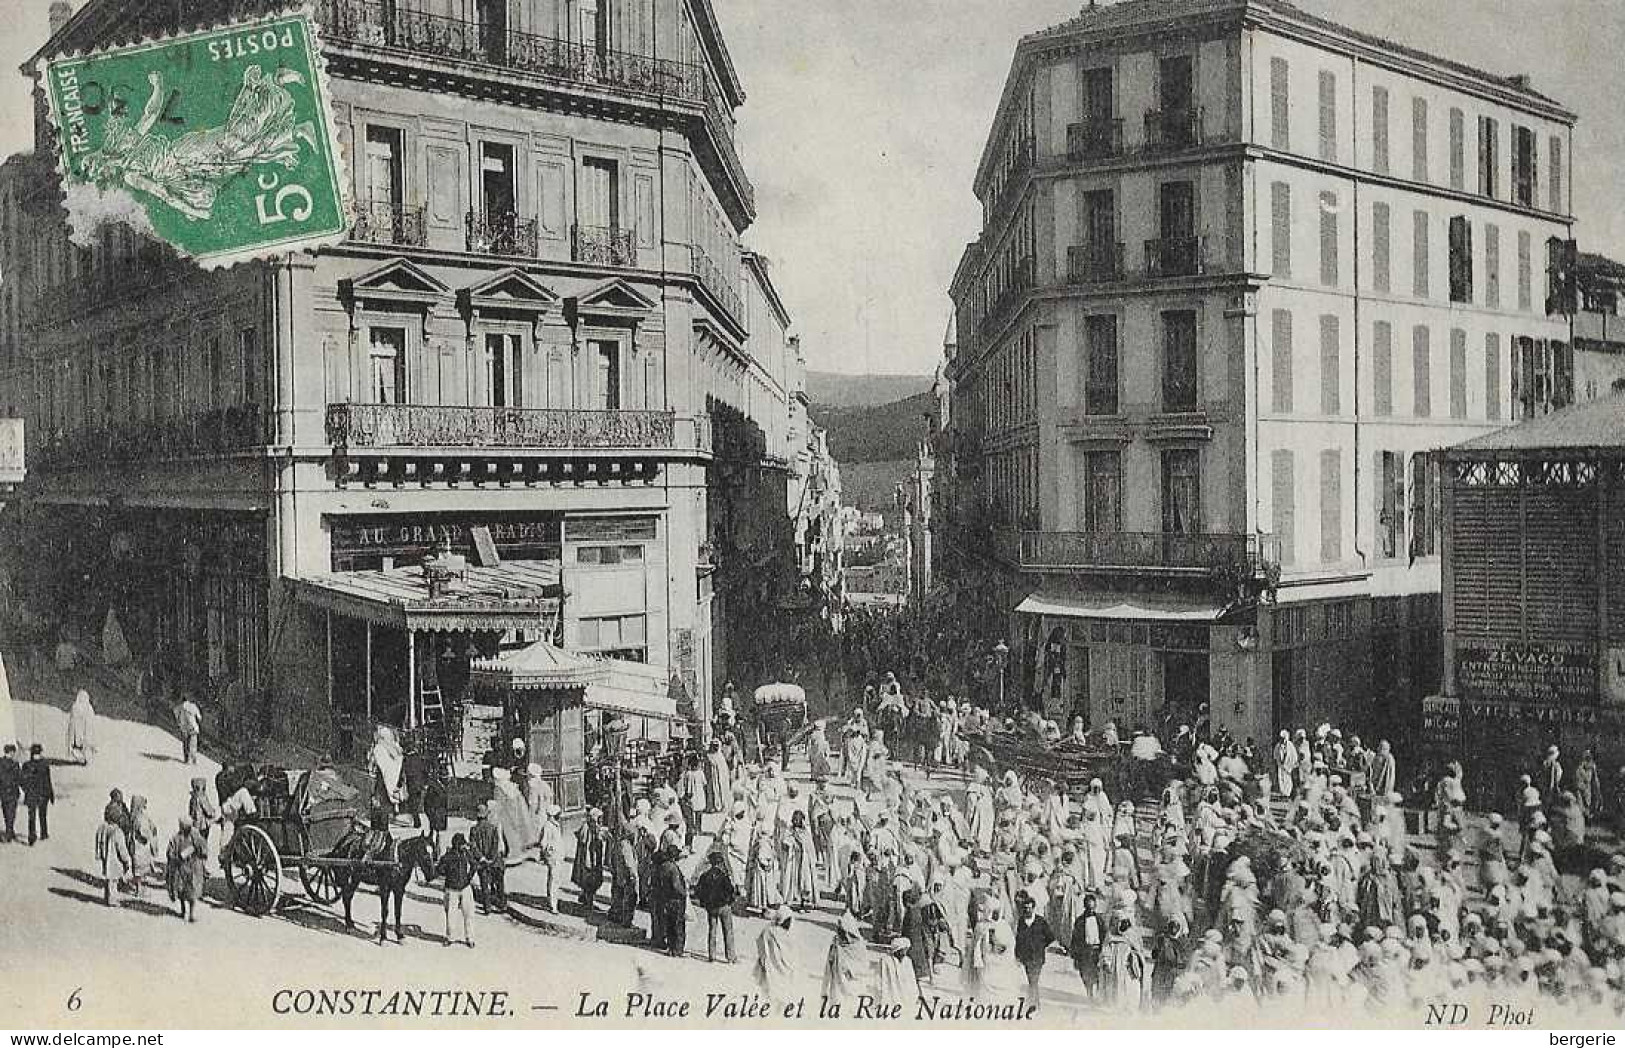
(707, 515)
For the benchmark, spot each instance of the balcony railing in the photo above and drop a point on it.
(105, 285)
(501, 233)
(715, 280)
(381, 222)
(388, 25)
(1094, 263)
(722, 132)
(1175, 257)
(1021, 282)
(1133, 550)
(1091, 140)
(604, 245)
(562, 429)
(1170, 129)
(206, 433)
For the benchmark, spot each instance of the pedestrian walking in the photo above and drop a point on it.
(716, 892)
(38, 794)
(11, 788)
(189, 721)
(592, 845)
(1033, 937)
(185, 869)
(671, 903)
(457, 868)
(691, 797)
(774, 972)
(143, 841)
(489, 845)
(82, 728)
(112, 855)
(435, 808)
(550, 847)
(205, 813)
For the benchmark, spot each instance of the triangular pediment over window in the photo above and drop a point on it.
(615, 298)
(397, 281)
(510, 289)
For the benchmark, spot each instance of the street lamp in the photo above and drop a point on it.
(1001, 656)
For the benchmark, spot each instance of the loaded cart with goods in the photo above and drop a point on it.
(776, 712)
(297, 821)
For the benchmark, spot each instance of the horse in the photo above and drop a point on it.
(390, 875)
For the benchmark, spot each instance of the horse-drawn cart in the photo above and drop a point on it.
(1068, 763)
(298, 821)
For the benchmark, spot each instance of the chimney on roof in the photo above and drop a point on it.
(61, 11)
(1520, 81)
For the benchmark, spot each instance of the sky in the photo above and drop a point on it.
(865, 120)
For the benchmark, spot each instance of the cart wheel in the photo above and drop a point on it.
(321, 884)
(254, 871)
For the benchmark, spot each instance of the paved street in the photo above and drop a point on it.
(143, 956)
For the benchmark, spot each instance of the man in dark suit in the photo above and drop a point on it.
(11, 785)
(38, 793)
(1033, 937)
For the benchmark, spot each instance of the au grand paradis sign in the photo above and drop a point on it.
(1527, 673)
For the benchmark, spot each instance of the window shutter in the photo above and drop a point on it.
(1328, 115)
(1283, 509)
(1461, 259)
(1458, 373)
(1492, 377)
(1419, 505)
(1525, 248)
(1281, 358)
(1562, 374)
(1328, 239)
(1492, 266)
(1281, 228)
(1488, 147)
(1280, 124)
(1421, 372)
(1379, 130)
(1419, 139)
(1557, 204)
(1419, 250)
(1331, 506)
(1458, 149)
(1382, 377)
(1380, 250)
(1331, 371)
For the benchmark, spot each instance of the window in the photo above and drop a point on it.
(1331, 368)
(1379, 130)
(622, 637)
(1281, 229)
(1331, 506)
(605, 355)
(1492, 266)
(1489, 156)
(163, 394)
(1281, 358)
(1390, 495)
(1175, 84)
(1554, 150)
(1421, 372)
(497, 182)
(1525, 249)
(1182, 492)
(1179, 361)
(217, 374)
(1100, 384)
(1458, 149)
(1425, 505)
(1280, 121)
(387, 353)
(1102, 506)
(385, 187)
(1328, 239)
(1419, 139)
(1524, 171)
(248, 360)
(1380, 249)
(1542, 376)
(1382, 368)
(1419, 251)
(1283, 506)
(1458, 373)
(609, 555)
(504, 370)
(599, 204)
(1328, 115)
(1099, 97)
(1492, 377)
(1101, 258)
(1461, 259)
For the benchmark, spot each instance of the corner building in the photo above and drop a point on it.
(1241, 270)
(535, 330)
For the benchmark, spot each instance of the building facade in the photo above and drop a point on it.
(539, 345)
(1240, 269)
(915, 497)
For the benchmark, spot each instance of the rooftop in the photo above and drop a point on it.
(1595, 424)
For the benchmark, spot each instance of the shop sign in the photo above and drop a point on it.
(1441, 721)
(1541, 714)
(1527, 673)
(515, 538)
(11, 450)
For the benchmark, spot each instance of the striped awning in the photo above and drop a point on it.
(516, 594)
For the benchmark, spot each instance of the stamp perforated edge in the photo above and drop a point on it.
(340, 160)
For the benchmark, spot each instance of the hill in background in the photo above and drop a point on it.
(878, 432)
(828, 389)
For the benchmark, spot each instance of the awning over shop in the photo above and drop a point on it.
(609, 684)
(1121, 606)
(517, 594)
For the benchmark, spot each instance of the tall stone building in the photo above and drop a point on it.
(541, 343)
(1241, 270)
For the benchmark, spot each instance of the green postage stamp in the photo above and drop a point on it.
(218, 142)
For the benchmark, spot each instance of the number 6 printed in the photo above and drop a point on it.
(301, 210)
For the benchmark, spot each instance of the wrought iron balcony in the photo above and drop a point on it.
(721, 127)
(501, 233)
(1167, 130)
(560, 429)
(1175, 257)
(604, 245)
(222, 430)
(1022, 279)
(383, 222)
(1094, 263)
(716, 282)
(1091, 140)
(1133, 551)
(387, 24)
